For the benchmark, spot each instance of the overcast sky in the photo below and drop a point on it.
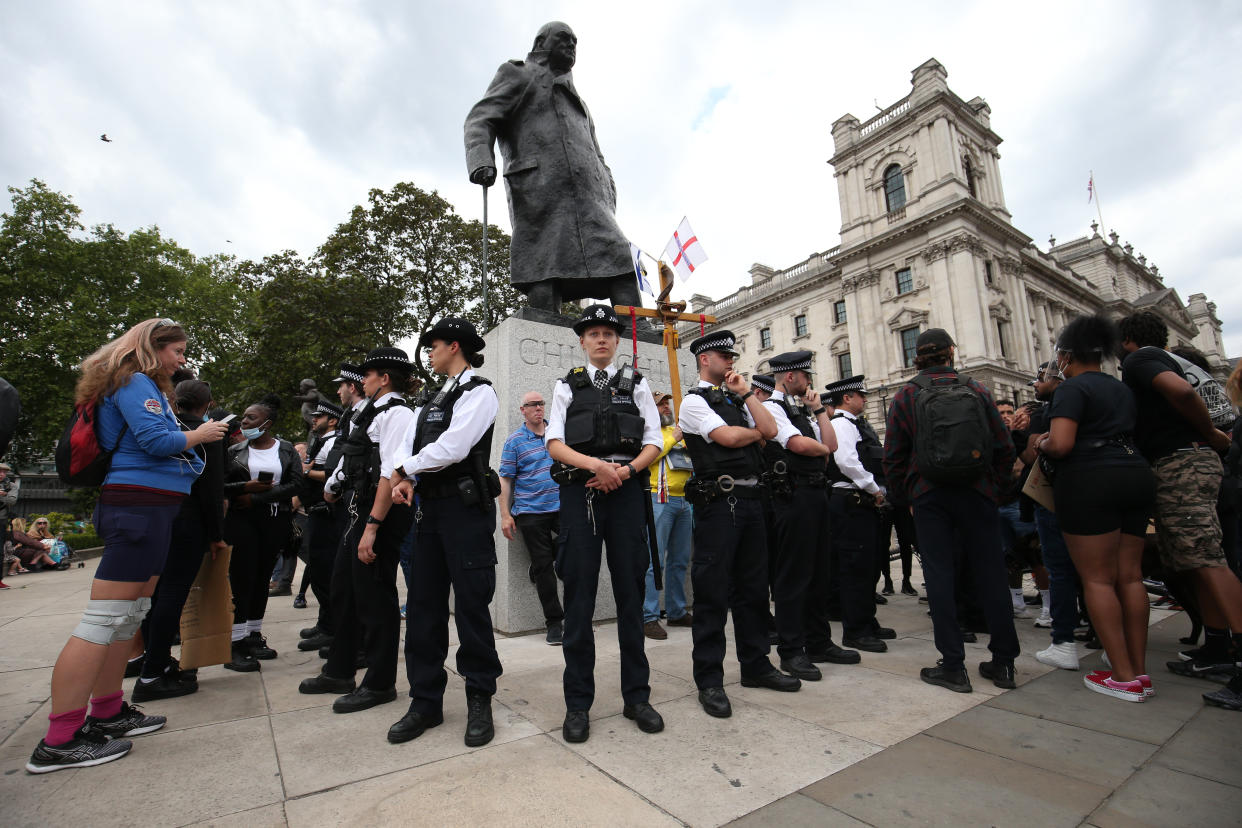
(263, 123)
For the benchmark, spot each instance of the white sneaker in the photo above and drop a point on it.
(1021, 612)
(1044, 620)
(1064, 656)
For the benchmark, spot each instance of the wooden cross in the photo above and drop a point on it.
(671, 312)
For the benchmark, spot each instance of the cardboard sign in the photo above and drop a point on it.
(1039, 488)
(207, 619)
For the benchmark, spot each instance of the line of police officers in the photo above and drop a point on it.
(764, 473)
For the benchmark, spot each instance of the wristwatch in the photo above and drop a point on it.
(748, 395)
(818, 411)
(633, 472)
(372, 520)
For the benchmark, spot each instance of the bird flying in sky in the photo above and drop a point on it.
(105, 138)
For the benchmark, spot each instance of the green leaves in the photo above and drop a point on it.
(386, 274)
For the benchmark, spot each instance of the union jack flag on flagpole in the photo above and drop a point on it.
(684, 252)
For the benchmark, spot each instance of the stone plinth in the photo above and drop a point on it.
(531, 354)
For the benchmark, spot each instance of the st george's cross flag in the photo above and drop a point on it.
(684, 252)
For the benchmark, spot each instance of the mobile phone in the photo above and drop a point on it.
(266, 477)
(229, 419)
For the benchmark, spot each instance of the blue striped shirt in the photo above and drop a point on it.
(525, 459)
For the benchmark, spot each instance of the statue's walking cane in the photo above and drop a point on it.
(487, 316)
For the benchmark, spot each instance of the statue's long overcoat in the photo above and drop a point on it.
(562, 199)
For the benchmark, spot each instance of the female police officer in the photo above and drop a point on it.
(602, 428)
(451, 441)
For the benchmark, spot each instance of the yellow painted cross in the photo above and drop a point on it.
(672, 313)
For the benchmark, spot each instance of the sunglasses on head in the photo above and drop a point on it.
(166, 323)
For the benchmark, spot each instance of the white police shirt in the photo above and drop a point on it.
(474, 412)
(562, 396)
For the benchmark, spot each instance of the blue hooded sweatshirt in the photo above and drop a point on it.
(152, 451)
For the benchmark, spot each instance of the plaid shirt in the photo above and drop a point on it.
(900, 464)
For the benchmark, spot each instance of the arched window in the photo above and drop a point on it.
(970, 175)
(894, 188)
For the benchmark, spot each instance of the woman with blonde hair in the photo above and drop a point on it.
(130, 382)
(28, 550)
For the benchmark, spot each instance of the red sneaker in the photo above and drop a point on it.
(3, 585)
(1144, 680)
(1102, 682)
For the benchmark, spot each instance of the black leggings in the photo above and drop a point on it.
(185, 556)
(257, 537)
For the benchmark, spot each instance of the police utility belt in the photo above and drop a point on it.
(701, 491)
(780, 481)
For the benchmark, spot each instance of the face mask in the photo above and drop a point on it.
(251, 433)
(206, 419)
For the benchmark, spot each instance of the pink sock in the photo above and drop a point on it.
(105, 707)
(62, 726)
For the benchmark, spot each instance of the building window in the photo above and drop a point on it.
(845, 365)
(1001, 329)
(905, 282)
(909, 338)
(765, 338)
(970, 175)
(987, 272)
(838, 312)
(894, 188)
(800, 328)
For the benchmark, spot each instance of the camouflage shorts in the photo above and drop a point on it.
(1187, 526)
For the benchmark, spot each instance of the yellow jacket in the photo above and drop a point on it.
(666, 481)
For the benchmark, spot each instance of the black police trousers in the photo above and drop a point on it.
(853, 549)
(369, 592)
(617, 520)
(960, 527)
(455, 548)
(803, 561)
(321, 545)
(729, 571)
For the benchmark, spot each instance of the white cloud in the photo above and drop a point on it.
(265, 123)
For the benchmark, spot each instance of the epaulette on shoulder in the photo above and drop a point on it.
(577, 370)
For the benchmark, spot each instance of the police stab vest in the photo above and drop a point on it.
(312, 490)
(796, 464)
(434, 418)
(712, 459)
(338, 448)
(603, 422)
(360, 452)
(870, 454)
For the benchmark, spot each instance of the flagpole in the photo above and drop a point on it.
(1095, 192)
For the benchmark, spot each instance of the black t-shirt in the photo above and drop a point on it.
(1104, 409)
(1160, 429)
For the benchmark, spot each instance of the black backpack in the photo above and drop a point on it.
(953, 438)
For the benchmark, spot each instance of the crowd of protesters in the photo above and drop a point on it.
(1118, 480)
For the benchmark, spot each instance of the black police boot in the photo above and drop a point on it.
(412, 725)
(800, 666)
(479, 729)
(577, 726)
(1000, 674)
(833, 654)
(715, 702)
(775, 680)
(645, 716)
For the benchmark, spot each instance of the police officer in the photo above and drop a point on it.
(856, 498)
(602, 429)
(365, 575)
(798, 458)
(322, 538)
(353, 400)
(723, 427)
(448, 449)
(763, 385)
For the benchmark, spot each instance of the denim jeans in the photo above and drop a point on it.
(674, 530)
(1062, 577)
(1012, 526)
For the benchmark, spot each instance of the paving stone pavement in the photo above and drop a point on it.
(870, 744)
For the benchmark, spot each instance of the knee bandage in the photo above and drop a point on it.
(104, 622)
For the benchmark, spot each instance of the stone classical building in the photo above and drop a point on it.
(926, 241)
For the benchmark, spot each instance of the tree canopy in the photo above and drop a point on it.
(385, 275)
